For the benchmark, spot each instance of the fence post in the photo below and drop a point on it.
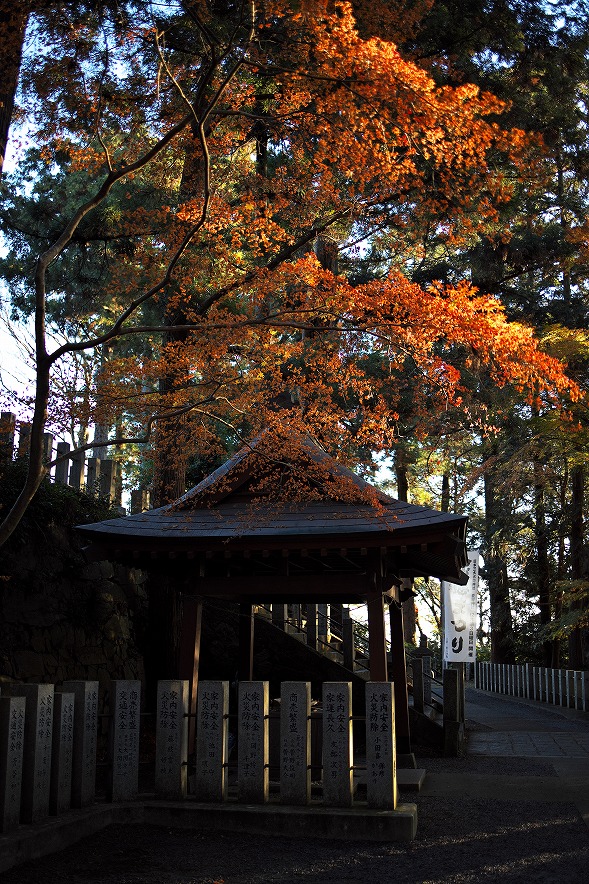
(323, 623)
(139, 501)
(578, 685)
(107, 479)
(452, 726)
(24, 439)
(552, 684)
(93, 475)
(76, 476)
(569, 689)
(418, 685)
(427, 679)
(47, 447)
(529, 681)
(63, 467)
(555, 686)
(7, 428)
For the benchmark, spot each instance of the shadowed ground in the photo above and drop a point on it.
(512, 810)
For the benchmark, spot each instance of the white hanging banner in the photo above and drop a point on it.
(460, 615)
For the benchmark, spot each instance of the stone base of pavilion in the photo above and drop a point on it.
(359, 823)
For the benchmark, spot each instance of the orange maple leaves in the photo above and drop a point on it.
(356, 136)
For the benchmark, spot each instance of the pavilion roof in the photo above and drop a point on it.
(269, 496)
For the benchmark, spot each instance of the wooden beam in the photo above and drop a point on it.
(295, 587)
(399, 675)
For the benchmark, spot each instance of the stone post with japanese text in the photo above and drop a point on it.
(171, 741)
(252, 744)
(60, 793)
(212, 740)
(337, 744)
(124, 746)
(85, 740)
(36, 775)
(295, 742)
(381, 761)
(12, 742)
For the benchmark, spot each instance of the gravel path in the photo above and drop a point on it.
(463, 838)
(474, 841)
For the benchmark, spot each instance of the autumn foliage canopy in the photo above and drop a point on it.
(224, 166)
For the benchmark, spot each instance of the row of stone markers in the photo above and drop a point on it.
(47, 750)
(561, 687)
(253, 750)
(48, 745)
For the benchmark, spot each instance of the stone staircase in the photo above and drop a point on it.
(341, 639)
(337, 649)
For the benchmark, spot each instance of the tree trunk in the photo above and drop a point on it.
(577, 559)
(13, 23)
(445, 501)
(172, 440)
(543, 561)
(402, 478)
(502, 640)
(560, 566)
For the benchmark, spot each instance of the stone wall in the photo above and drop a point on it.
(62, 618)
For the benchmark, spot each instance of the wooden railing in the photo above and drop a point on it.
(329, 629)
(560, 687)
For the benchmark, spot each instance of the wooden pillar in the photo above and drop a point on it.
(399, 673)
(279, 615)
(336, 617)
(189, 656)
(348, 640)
(376, 637)
(246, 642)
(312, 626)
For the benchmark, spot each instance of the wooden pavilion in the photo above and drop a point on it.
(280, 522)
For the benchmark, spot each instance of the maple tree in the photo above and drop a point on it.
(531, 463)
(215, 284)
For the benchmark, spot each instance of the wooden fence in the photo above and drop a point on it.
(95, 475)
